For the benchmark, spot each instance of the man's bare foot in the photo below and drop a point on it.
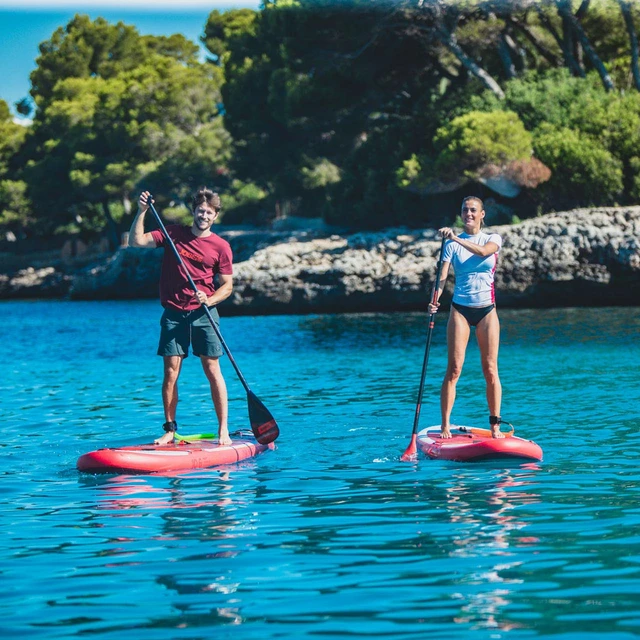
(445, 432)
(495, 432)
(167, 438)
(223, 436)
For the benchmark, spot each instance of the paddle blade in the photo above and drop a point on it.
(263, 424)
(411, 452)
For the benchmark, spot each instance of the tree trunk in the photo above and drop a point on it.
(572, 23)
(531, 37)
(625, 7)
(504, 51)
(448, 40)
(582, 9)
(567, 53)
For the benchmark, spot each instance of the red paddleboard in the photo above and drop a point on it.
(469, 444)
(179, 456)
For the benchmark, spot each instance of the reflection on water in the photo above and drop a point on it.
(492, 535)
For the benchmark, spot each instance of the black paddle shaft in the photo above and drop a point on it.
(434, 300)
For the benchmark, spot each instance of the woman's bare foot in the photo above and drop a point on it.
(495, 432)
(223, 436)
(445, 432)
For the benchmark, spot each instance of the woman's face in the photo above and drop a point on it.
(472, 213)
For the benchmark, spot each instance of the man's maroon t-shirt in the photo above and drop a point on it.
(203, 257)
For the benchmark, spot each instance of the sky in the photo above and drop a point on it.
(24, 24)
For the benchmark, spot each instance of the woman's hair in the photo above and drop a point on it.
(204, 194)
(474, 198)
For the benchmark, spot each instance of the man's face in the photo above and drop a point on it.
(205, 215)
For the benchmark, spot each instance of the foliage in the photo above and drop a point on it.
(118, 111)
(14, 206)
(635, 177)
(608, 123)
(476, 139)
(583, 173)
(11, 137)
(371, 114)
(244, 203)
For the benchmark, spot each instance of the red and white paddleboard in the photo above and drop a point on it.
(179, 456)
(469, 444)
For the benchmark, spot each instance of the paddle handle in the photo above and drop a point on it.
(423, 375)
(195, 290)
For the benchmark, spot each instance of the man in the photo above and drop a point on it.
(184, 321)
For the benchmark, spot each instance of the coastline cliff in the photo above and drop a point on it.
(584, 257)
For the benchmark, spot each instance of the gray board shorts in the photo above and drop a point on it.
(179, 329)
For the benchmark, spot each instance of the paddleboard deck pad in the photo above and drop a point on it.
(469, 444)
(178, 456)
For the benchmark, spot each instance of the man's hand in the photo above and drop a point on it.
(202, 297)
(143, 201)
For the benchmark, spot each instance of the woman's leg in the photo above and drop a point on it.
(458, 332)
(488, 335)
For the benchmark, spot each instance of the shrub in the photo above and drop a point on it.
(583, 173)
(475, 139)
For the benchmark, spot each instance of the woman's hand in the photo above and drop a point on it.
(433, 308)
(447, 232)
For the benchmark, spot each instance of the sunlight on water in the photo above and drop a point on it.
(330, 535)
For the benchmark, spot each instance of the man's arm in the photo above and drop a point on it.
(224, 290)
(137, 236)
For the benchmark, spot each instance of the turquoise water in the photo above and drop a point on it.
(329, 536)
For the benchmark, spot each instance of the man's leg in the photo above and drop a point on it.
(172, 368)
(218, 386)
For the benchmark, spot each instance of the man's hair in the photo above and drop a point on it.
(204, 194)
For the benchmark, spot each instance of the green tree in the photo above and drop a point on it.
(14, 204)
(116, 111)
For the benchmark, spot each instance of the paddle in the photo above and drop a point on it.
(263, 424)
(412, 450)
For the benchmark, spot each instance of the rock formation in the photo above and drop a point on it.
(585, 257)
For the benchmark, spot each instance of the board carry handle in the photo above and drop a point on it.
(487, 432)
(195, 437)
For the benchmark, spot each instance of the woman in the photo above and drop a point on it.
(474, 256)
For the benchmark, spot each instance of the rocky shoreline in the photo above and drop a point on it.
(585, 257)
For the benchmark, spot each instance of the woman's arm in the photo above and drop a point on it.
(433, 308)
(479, 250)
